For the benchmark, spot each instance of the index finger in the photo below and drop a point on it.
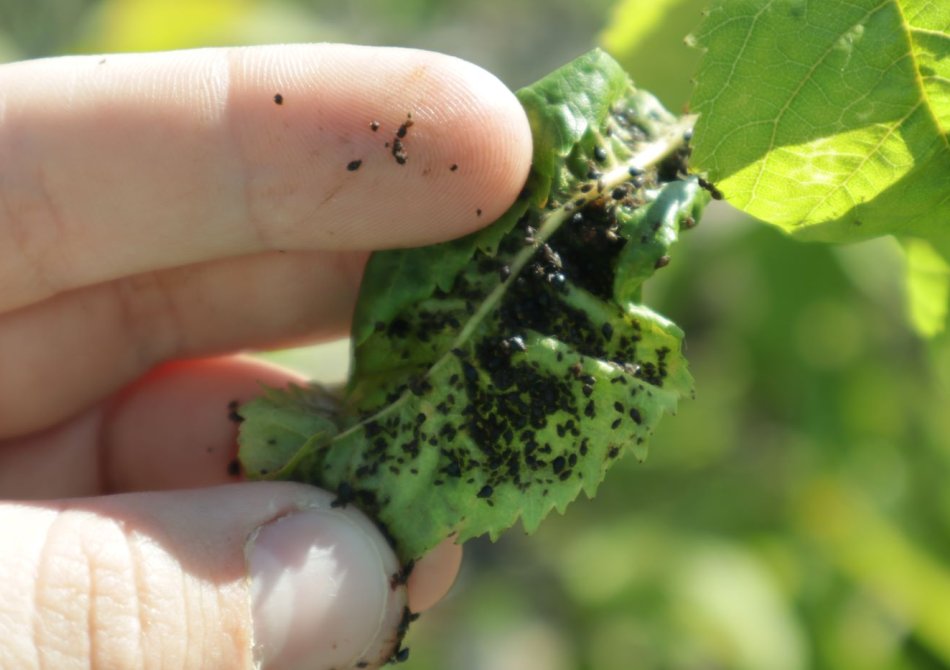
(117, 165)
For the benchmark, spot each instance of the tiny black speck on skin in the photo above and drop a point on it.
(353, 166)
(454, 167)
(374, 126)
(278, 98)
(478, 212)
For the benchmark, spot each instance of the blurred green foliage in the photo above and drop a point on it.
(796, 515)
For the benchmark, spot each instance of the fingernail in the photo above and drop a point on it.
(320, 590)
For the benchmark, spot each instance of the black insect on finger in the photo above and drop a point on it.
(404, 127)
(353, 166)
(278, 99)
(404, 621)
(233, 414)
(709, 186)
(401, 578)
(374, 126)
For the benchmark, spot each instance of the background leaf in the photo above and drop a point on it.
(928, 286)
(647, 39)
(829, 118)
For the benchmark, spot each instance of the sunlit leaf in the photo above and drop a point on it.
(928, 287)
(829, 118)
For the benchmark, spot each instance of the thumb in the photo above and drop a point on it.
(263, 574)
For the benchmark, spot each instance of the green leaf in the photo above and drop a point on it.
(928, 286)
(638, 30)
(829, 118)
(499, 375)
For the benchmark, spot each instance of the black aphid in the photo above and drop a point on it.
(485, 492)
(374, 126)
(278, 98)
(404, 128)
(709, 186)
(662, 262)
(233, 412)
(353, 166)
(344, 495)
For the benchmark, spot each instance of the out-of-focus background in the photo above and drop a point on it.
(795, 515)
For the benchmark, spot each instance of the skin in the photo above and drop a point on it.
(158, 214)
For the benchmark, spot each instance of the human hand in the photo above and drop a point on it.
(159, 212)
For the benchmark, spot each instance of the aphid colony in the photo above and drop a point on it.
(516, 401)
(498, 375)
